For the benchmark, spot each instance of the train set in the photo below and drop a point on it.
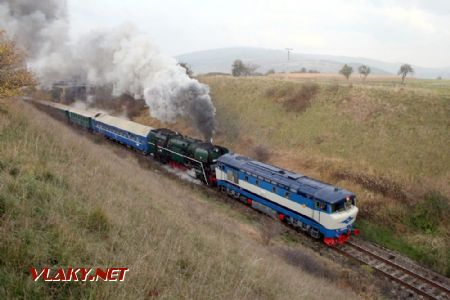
(324, 211)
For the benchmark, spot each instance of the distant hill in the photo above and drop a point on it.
(220, 60)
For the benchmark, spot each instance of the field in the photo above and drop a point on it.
(385, 141)
(68, 199)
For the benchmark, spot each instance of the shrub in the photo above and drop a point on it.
(301, 99)
(97, 221)
(429, 214)
(2, 206)
(261, 153)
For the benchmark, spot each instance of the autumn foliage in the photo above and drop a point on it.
(14, 75)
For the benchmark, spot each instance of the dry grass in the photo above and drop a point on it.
(385, 141)
(380, 139)
(65, 200)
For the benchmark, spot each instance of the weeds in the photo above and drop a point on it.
(430, 213)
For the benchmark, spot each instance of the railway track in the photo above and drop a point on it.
(422, 282)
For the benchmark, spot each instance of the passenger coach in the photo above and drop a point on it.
(126, 132)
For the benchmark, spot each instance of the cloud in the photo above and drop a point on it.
(391, 30)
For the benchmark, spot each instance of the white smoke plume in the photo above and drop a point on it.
(121, 57)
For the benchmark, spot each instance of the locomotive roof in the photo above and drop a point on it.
(126, 125)
(298, 182)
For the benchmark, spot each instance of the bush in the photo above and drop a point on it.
(261, 153)
(2, 206)
(430, 213)
(97, 221)
(301, 99)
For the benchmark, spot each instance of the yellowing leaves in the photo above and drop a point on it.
(14, 75)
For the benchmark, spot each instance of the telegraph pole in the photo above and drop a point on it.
(289, 57)
(288, 52)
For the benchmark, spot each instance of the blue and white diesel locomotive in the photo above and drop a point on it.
(322, 210)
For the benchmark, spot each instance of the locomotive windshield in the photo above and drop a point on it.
(343, 205)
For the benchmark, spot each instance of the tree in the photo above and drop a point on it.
(404, 70)
(364, 71)
(346, 71)
(240, 69)
(250, 69)
(13, 72)
(187, 68)
(269, 72)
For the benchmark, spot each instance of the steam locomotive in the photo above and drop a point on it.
(322, 210)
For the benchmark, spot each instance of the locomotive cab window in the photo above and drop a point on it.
(321, 206)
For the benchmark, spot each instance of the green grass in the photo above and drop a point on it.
(388, 238)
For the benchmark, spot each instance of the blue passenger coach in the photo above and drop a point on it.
(125, 132)
(310, 205)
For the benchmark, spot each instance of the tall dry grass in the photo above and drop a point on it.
(385, 141)
(70, 200)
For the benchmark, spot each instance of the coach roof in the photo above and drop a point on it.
(82, 112)
(126, 125)
(293, 181)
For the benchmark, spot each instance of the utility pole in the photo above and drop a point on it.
(289, 57)
(288, 52)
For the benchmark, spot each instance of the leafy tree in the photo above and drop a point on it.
(271, 71)
(346, 71)
(364, 71)
(404, 70)
(240, 69)
(187, 68)
(13, 72)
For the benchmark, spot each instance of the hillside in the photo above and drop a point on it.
(68, 199)
(220, 60)
(384, 141)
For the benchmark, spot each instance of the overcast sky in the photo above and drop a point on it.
(413, 31)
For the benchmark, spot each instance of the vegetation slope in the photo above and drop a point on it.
(385, 141)
(67, 199)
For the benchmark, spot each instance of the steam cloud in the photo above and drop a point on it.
(121, 57)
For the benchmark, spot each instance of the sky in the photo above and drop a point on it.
(411, 31)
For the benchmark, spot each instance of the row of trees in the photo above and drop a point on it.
(364, 71)
(240, 69)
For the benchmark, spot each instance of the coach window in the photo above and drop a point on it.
(246, 178)
(257, 182)
(286, 194)
(274, 190)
